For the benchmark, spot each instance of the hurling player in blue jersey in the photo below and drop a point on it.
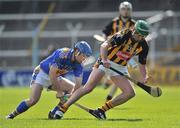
(49, 74)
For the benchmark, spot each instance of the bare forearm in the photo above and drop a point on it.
(55, 83)
(103, 51)
(53, 77)
(143, 70)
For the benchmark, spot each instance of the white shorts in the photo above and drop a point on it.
(41, 78)
(118, 67)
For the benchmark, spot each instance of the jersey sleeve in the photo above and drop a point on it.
(108, 29)
(57, 59)
(78, 70)
(144, 53)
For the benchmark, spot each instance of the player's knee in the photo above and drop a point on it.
(133, 94)
(130, 94)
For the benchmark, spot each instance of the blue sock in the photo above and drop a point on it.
(55, 109)
(22, 107)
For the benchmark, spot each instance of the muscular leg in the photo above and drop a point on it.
(94, 78)
(126, 87)
(35, 95)
(127, 93)
(26, 104)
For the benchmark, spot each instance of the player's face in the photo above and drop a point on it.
(81, 58)
(125, 12)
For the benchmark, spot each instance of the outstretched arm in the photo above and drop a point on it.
(143, 71)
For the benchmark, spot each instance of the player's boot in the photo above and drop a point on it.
(10, 116)
(58, 115)
(98, 113)
(50, 115)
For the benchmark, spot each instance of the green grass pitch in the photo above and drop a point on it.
(143, 111)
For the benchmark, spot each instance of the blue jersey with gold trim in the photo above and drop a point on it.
(61, 58)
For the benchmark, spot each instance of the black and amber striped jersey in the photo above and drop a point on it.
(117, 25)
(123, 47)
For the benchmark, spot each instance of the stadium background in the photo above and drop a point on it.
(28, 27)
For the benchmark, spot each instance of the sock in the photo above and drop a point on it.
(63, 107)
(54, 110)
(108, 105)
(15, 113)
(22, 107)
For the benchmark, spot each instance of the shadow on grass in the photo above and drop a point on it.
(121, 108)
(67, 119)
(128, 120)
(121, 119)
